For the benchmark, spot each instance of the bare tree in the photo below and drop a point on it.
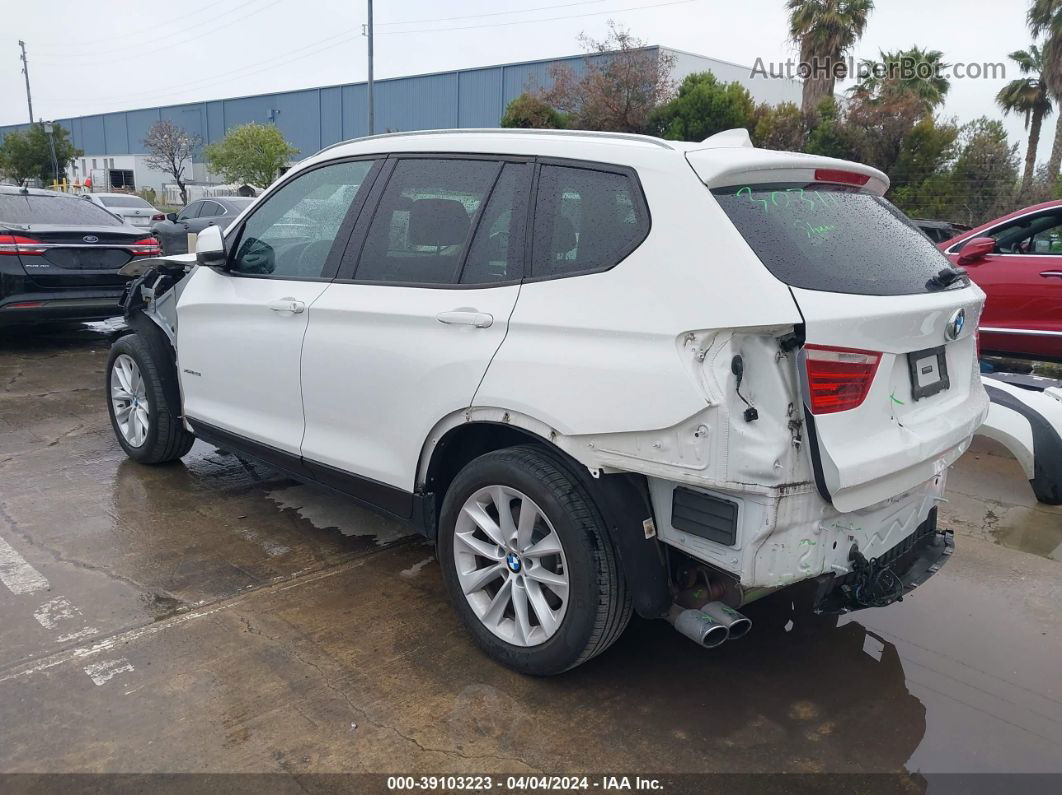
(621, 83)
(170, 149)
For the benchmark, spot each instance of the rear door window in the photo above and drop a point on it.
(832, 239)
(425, 219)
(585, 220)
(496, 253)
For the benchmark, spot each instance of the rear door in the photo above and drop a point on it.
(405, 334)
(240, 335)
(891, 386)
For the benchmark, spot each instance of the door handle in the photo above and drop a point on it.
(287, 304)
(1049, 274)
(466, 317)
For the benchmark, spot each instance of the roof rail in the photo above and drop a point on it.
(645, 139)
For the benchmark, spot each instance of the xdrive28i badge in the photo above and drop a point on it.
(955, 324)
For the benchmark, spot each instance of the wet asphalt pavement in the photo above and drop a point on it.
(213, 615)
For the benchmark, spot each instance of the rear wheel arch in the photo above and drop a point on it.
(622, 499)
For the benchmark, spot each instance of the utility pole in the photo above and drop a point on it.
(372, 126)
(25, 71)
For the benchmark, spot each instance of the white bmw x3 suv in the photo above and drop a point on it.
(604, 373)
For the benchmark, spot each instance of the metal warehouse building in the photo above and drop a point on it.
(313, 118)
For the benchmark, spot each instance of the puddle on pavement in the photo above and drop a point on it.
(1033, 531)
(325, 510)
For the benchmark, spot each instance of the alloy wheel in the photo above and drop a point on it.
(132, 413)
(510, 565)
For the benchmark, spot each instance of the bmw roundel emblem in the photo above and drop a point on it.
(955, 325)
(91, 239)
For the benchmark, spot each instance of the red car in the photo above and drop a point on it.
(1017, 261)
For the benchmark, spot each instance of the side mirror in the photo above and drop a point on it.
(210, 248)
(976, 250)
(171, 216)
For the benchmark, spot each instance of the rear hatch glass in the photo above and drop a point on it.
(828, 237)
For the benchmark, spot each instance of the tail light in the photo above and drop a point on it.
(14, 245)
(158, 217)
(146, 247)
(839, 378)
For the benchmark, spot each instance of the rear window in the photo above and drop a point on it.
(63, 210)
(124, 201)
(832, 238)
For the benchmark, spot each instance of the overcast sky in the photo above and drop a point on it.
(116, 55)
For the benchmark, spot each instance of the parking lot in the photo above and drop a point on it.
(215, 616)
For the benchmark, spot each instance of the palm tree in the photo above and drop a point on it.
(1028, 96)
(1045, 19)
(825, 30)
(904, 74)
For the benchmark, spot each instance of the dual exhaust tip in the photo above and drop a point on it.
(711, 625)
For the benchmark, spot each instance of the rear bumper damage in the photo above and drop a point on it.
(877, 582)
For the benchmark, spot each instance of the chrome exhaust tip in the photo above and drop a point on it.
(738, 625)
(699, 626)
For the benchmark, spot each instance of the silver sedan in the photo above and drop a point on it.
(131, 209)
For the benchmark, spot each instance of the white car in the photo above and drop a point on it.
(131, 209)
(604, 373)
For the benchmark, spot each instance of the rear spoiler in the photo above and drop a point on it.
(728, 159)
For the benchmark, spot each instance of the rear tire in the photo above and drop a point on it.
(147, 427)
(560, 625)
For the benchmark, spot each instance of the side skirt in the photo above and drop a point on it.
(415, 508)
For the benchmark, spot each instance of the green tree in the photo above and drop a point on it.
(920, 179)
(531, 111)
(1045, 19)
(830, 135)
(782, 127)
(877, 128)
(984, 177)
(914, 73)
(27, 154)
(703, 107)
(825, 31)
(252, 154)
(1029, 97)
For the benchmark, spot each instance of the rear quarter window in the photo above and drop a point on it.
(833, 239)
(586, 220)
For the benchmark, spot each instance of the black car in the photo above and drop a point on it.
(193, 219)
(939, 231)
(60, 257)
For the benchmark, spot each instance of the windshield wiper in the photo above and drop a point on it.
(945, 278)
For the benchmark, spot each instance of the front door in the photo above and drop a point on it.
(240, 331)
(403, 337)
(1023, 282)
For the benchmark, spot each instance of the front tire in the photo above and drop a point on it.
(147, 427)
(528, 563)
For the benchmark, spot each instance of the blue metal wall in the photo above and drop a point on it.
(313, 118)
